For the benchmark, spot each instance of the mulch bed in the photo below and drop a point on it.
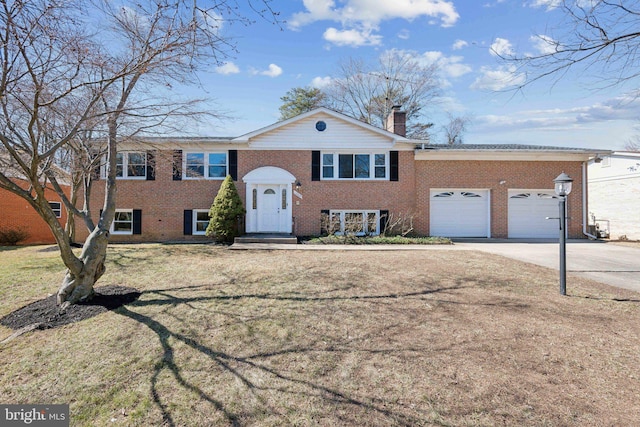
(45, 314)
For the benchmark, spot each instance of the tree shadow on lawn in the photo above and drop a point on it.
(236, 365)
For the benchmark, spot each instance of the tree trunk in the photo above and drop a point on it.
(77, 285)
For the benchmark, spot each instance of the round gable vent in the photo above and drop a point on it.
(320, 126)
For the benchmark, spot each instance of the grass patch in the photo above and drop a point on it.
(377, 240)
(270, 338)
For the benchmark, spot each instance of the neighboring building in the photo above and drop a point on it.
(295, 175)
(614, 194)
(18, 214)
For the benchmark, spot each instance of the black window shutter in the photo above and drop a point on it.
(393, 166)
(188, 222)
(137, 221)
(177, 165)
(315, 166)
(384, 216)
(151, 165)
(233, 164)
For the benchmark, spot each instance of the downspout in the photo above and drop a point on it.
(584, 203)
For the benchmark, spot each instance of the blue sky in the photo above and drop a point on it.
(458, 35)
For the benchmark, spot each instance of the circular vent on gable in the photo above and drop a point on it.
(320, 126)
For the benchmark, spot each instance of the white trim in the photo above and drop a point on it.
(122, 233)
(205, 165)
(365, 212)
(372, 164)
(125, 167)
(525, 155)
(194, 221)
(261, 179)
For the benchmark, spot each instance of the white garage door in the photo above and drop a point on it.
(459, 213)
(528, 210)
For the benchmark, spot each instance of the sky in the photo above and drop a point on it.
(462, 37)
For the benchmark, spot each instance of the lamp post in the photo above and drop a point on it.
(562, 189)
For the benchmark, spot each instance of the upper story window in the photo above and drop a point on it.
(355, 166)
(131, 165)
(205, 165)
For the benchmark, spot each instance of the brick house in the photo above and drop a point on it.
(296, 174)
(18, 214)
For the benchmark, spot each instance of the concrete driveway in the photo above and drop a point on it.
(600, 261)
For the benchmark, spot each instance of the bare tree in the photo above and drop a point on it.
(599, 36)
(369, 92)
(633, 144)
(73, 85)
(455, 129)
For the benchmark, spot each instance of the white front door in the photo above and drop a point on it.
(268, 209)
(269, 200)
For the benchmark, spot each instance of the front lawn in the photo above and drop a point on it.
(271, 338)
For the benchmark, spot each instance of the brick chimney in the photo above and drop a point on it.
(397, 121)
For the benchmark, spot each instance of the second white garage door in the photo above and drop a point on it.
(459, 213)
(528, 210)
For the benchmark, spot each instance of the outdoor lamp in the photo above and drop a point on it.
(563, 188)
(563, 184)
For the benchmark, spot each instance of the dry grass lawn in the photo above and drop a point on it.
(269, 338)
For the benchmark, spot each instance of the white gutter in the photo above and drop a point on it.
(584, 203)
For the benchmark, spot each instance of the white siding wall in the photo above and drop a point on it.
(614, 193)
(302, 135)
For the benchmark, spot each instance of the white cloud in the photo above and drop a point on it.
(404, 34)
(212, 20)
(228, 68)
(501, 47)
(353, 38)
(459, 44)
(548, 4)
(360, 18)
(320, 82)
(623, 108)
(544, 44)
(451, 66)
(499, 78)
(272, 71)
(372, 12)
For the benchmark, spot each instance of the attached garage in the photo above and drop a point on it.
(528, 213)
(459, 213)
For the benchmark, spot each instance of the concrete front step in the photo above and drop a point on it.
(267, 238)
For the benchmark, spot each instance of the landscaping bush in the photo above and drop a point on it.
(224, 213)
(13, 236)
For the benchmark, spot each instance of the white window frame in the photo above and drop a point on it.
(125, 166)
(206, 165)
(119, 232)
(57, 211)
(365, 214)
(194, 223)
(372, 165)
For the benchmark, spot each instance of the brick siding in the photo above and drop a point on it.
(164, 200)
(17, 213)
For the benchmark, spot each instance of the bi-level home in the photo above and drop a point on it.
(296, 173)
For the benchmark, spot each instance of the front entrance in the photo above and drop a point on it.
(269, 200)
(268, 209)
